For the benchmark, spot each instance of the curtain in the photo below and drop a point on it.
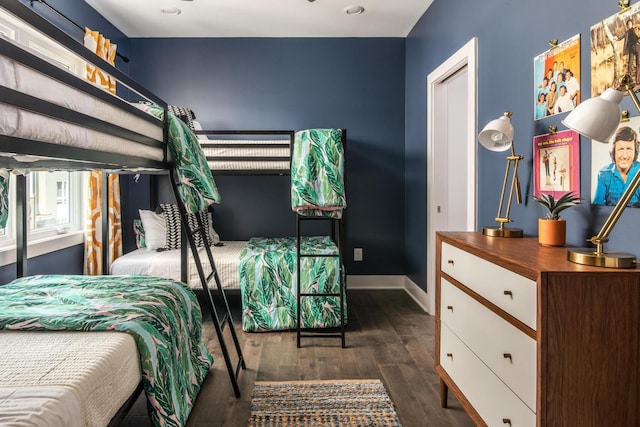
(106, 50)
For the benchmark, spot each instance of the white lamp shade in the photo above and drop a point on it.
(497, 135)
(597, 118)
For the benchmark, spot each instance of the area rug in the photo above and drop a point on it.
(322, 403)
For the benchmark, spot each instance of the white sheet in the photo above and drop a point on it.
(99, 370)
(39, 407)
(247, 153)
(167, 264)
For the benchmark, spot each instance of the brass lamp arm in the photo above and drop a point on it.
(615, 214)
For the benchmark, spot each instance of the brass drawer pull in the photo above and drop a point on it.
(509, 293)
(450, 261)
(507, 356)
(506, 421)
(450, 307)
(450, 355)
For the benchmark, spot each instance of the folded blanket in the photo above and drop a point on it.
(163, 317)
(317, 173)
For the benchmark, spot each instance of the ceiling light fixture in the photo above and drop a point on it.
(171, 11)
(354, 10)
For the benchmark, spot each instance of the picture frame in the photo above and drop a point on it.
(553, 70)
(604, 161)
(556, 163)
(613, 50)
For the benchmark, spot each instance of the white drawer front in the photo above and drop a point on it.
(513, 293)
(507, 351)
(490, 397)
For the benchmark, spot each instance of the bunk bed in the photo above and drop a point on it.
(272, 297)
(51, 119)
(265, 269)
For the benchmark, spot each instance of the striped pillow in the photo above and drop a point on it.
(174, 230)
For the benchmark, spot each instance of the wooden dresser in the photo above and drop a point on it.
(525, 337)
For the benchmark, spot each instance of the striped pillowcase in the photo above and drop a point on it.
(174, 230)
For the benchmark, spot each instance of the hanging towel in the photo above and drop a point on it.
(317, 173)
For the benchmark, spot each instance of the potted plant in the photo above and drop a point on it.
(552, 230)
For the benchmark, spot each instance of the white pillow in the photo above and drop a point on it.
(198, 126)
(155, 229)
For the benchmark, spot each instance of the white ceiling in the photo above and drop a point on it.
(262, 18)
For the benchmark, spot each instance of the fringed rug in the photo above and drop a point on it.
(322, 403)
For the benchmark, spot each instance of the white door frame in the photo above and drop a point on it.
(465, 56)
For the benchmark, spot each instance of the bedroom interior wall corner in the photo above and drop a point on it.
(380, 282)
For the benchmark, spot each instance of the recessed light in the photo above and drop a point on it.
(353, 10)
(171, 11)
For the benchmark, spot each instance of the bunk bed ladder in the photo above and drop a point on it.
(337, 234)
(218, 322)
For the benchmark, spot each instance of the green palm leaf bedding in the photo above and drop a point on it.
(317, 173)
(163, 317)
(4, 197)
(198, 189)
(268, 271)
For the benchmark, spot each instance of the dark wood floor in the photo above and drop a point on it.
(388, 337)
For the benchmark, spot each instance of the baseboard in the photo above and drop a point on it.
(390, 282)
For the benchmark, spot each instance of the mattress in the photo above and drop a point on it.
(226, 157)
(21, 123)
(82, 376)
(167, 264)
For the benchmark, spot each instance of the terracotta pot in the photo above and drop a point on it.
(552, 232)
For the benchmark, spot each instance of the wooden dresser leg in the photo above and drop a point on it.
(444, 394)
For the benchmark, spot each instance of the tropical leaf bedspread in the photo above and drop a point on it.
(268, 271)
(317, 173)
(163, 317)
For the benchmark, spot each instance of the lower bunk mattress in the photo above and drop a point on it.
(161, 316)
(167, 264)
(65, 378)
(268, 283)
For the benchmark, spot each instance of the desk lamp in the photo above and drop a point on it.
(598, 118)
(497, 135)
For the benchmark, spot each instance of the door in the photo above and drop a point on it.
(451, 151)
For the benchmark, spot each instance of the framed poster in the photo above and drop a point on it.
(556, 163)
(614, 50)
(556, 75)
(614, 164)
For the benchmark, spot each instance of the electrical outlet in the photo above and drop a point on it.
(357, 254)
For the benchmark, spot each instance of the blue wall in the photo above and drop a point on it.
(356, 84)
(510, 34)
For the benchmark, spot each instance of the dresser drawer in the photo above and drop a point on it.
(513, 293)
(507, 351)
(490, 397)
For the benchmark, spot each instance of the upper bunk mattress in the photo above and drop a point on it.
(21, 123)
(51, 378)
(167, 264)
(247, 155)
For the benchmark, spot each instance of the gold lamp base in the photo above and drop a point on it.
(611, 259)
(502, 232)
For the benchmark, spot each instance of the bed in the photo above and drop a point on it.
(168, 264)
(51, 119)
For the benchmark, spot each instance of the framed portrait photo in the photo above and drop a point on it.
(614, 163)
(556, 74)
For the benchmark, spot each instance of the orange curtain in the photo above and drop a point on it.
(106, 50)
